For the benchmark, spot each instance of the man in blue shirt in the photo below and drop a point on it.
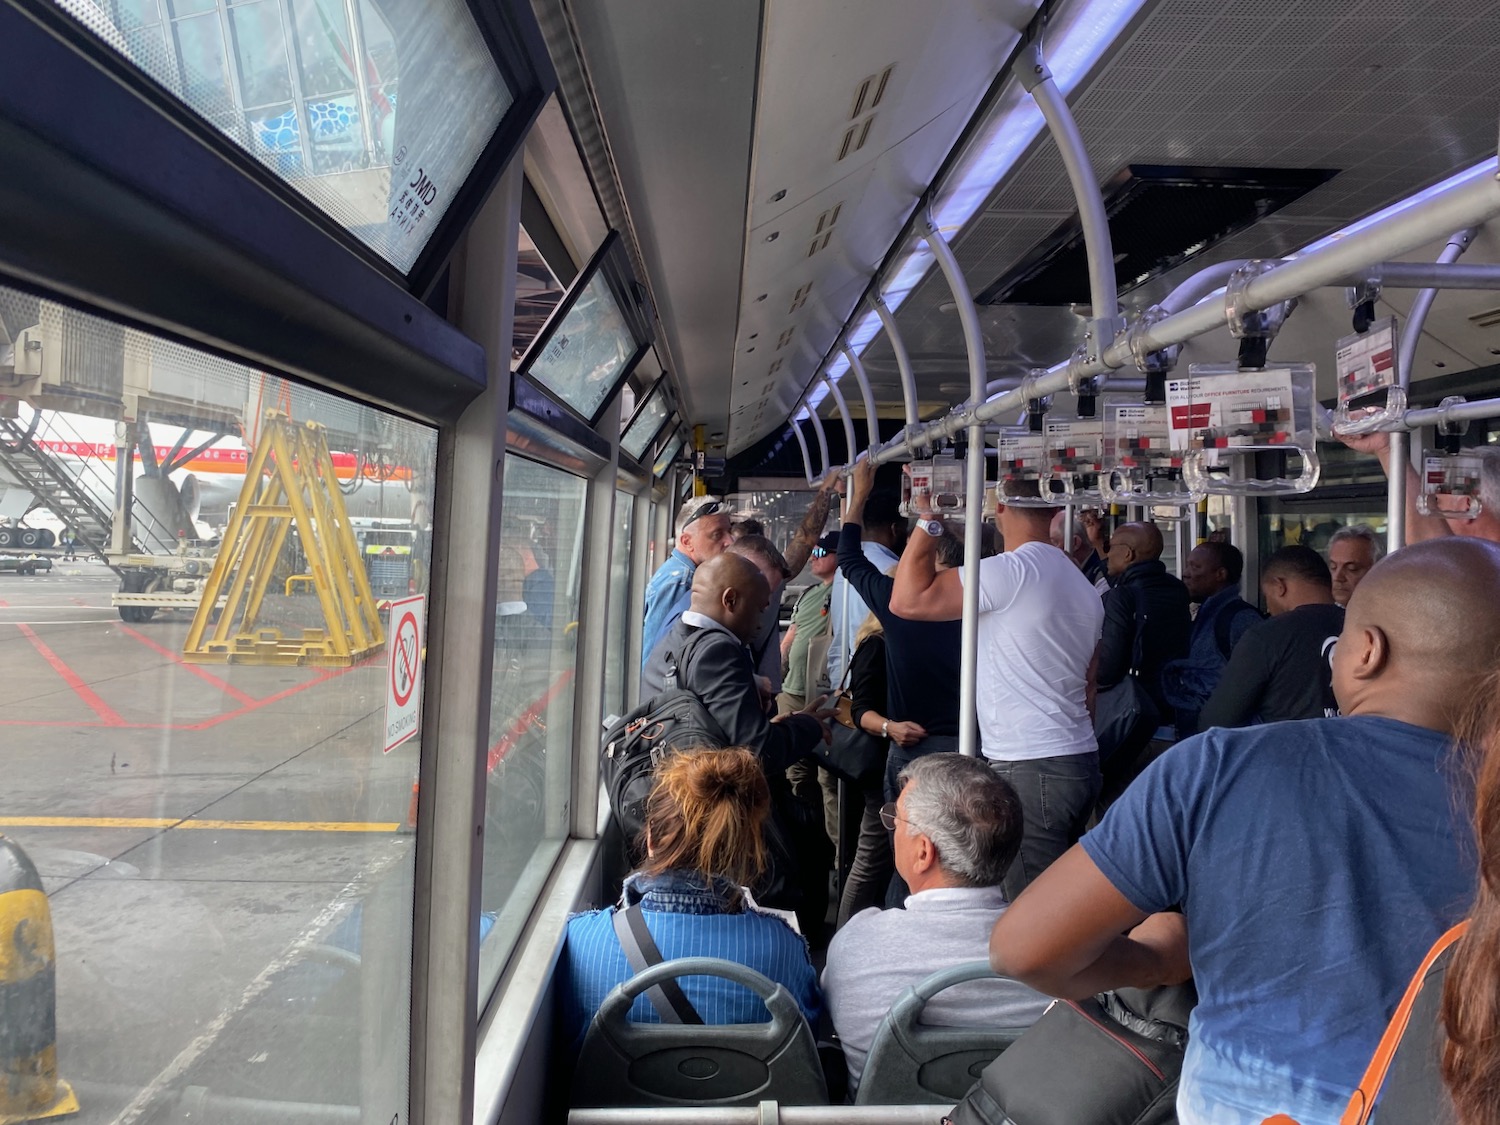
(702, 533)
(1211, 574)
(1314, 861)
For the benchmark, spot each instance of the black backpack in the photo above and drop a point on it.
(674, 719)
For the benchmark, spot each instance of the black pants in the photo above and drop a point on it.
(1057, 798)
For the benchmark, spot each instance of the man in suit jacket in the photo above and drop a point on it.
(707, 646)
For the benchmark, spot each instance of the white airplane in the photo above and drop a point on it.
(192, 498)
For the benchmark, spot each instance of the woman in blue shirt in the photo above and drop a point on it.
(704, 840)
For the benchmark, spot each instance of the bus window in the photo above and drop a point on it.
(531, 709)
(198, 760)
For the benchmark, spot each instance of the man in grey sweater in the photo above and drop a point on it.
(956, 828)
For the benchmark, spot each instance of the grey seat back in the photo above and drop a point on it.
(647, 1064)
(911, 1063)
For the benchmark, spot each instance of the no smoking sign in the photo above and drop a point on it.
(403, 680)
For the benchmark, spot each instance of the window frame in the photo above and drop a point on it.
(611, 263)
(508, 28)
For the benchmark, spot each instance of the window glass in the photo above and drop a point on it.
(537, 293)
(617, 636)
(209, 796)
(531, 700)
(644, 426)
(668, 454)
(377, 119)
(585, 357)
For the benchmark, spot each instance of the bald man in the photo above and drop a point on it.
(708, 648)
(1147, 622)
(1314, 861)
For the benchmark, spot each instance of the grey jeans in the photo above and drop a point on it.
(1057, 796)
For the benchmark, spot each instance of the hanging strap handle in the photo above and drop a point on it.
(670, 1002)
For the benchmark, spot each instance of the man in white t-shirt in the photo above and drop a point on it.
(1039, 624)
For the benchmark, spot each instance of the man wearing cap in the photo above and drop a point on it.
(809, 622)
(702, 534)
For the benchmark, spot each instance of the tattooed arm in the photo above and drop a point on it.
(799, 550)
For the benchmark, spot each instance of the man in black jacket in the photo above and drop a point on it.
(1147, 608)
(707, 646)
(1283, 668)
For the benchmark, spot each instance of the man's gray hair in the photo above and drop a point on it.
(970, 813)
(1365, 534)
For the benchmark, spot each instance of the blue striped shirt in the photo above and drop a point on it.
(686, 918)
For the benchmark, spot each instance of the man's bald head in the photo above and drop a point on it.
(731, 590)
(1420, 631)
(1133, 543)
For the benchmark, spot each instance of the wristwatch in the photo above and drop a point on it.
(933, 528)
(885, 729)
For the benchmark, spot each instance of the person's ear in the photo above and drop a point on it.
(729, 598)
(1371, 655)
(924, 854)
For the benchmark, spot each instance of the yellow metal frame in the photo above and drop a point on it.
(289, 481)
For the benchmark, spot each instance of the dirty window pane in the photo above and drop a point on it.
(378, 125)
(531, 699)
(208, 796)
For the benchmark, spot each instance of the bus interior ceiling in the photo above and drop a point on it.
(279, 863)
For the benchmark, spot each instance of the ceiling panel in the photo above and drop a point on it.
(1396, 94)
(674, 81)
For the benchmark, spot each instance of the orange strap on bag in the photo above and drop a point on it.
(1362, 1102)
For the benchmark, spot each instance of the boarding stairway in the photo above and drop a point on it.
(64, 492)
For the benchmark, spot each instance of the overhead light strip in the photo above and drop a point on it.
(1078, 41)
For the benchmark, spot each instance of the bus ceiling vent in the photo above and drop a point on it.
(1253, 327)
(30, 1089)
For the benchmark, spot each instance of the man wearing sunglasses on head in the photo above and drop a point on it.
(702, 534)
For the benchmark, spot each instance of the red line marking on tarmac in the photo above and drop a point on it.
(255, 705)
(203, 674)
(509, 739)
(80, 601)
(82, 690)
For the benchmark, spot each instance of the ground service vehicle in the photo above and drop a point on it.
(726, 247)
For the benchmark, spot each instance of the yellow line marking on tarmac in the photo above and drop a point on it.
(200, 825)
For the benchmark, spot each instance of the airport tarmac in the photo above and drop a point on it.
(221, 847)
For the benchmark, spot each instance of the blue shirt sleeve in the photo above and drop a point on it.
(1144, 843)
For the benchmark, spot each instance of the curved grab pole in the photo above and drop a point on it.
(872, 423)
(1471, 201)
(822, 437)
(968, 676)
(806, 458)
(903, 361)
(1395, 513)
(1105, 322)
(843, 408)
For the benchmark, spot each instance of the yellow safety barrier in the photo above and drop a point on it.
(295, 580)
(289, 482)
(30, 1089)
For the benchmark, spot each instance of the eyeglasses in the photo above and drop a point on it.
(888, 816)
(712, 508)
(820, 552)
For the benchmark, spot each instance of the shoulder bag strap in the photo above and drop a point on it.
(1137, 652)
(1362, 1104)
(671, 1004)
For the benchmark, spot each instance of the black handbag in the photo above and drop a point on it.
(854, 754)
(1111, 1059)
(1125, 716)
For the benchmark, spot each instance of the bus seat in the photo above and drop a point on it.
(647, 1064)
(911, 1062)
